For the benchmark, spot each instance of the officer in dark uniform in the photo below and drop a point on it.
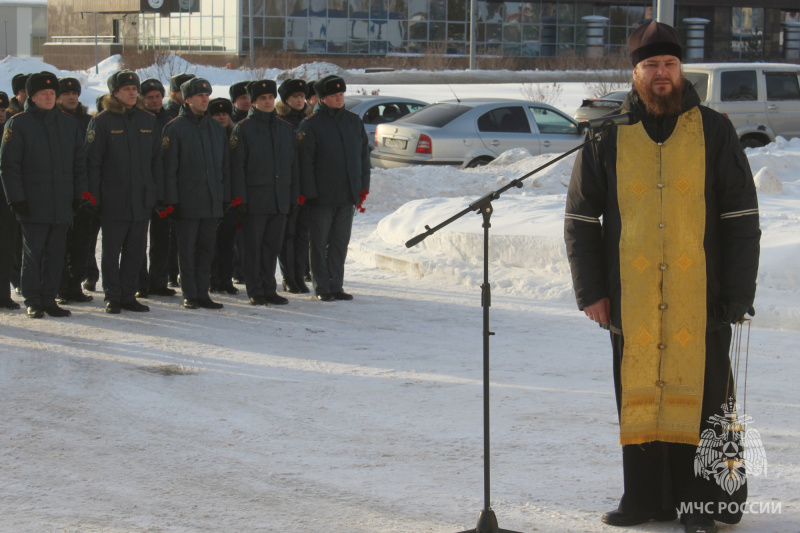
(197, 185)
(92, 272)
(220, 110)
(79, 233)
(265, 180)
(8, 234)
(334, 177)
(294, 254)
(125, 175)
(240, 100)
(43, 169)
(17, 103)
(155, 281)
(175, 101)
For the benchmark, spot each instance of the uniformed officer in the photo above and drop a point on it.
(197, 185)
(79, 233)
(225, 251)
(265, 180)
(240, 100)
(175, 101)
(8, 234)
(154, 282)
(312, 97)
(293, 258)
(43, 169)
(125, 175)
(17, 103)
(334, 178)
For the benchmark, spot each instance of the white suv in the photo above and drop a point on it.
(762, 100)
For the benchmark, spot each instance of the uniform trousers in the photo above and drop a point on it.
(42, 262)
(263, 237)
(79, 241)
(92, 272)
(124, 244)
(294, 254)
(329, 233)
(196, 238)
(157, 276)
(660, 475)
(8, 246)
(222, 264)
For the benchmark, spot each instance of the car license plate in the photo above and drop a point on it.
(395, 143)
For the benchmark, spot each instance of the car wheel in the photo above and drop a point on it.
(479, 162)
(751, 141)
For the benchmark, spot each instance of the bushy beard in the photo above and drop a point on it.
(656, 104)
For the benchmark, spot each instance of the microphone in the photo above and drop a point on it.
(624, 119)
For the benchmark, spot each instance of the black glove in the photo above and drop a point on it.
(21, 208)
(81, 204)
(734, 311)
(241, 210)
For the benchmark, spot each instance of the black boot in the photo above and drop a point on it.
(620, 519)
(290, 286)
(57, 312)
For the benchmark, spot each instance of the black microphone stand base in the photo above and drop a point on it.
(487, 523)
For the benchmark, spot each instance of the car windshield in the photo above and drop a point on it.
(435, 115)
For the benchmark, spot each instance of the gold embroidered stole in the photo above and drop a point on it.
(661, 193)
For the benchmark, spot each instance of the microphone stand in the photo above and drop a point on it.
(487, 521)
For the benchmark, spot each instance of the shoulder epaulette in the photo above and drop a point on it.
(101, 113)
(356, 114)
(150, 113)
(171, 121)
(18, 114)
(309, 117)
(286, 122)
(245, 120)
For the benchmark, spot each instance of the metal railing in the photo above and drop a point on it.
(104, 39)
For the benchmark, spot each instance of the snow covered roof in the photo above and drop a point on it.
(23, 3)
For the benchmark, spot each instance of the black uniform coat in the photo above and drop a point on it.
(334, 157)
(196, 165)
(732, 231)
(292, 116)
(43, 162)
(264, 171)
(81, 114)
(124, 161)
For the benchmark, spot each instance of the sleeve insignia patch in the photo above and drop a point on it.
(90, 136)
(301, 136)
(234, 141)
(165, 143)
(7, 135)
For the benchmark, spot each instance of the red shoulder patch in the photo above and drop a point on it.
(309, 117)
(171, 121)
(243, 121)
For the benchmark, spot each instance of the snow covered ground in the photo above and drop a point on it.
(365, 416)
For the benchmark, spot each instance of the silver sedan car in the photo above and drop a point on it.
(375, 110)
(472, 132)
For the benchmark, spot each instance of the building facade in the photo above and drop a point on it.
(734, 29)
(24, 27)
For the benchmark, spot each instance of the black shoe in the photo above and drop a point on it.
(162, 291)
(290, 286)
(79, 297)
(143, 293)
(135, 306)
(8, 303)
(62, 299)
(230, 289)
(275, 299)
(112, 308)
(341, 295)
(258, 300)
(303, 288)
(56, 311)
(697, 523)
(191, 303)
(325, 297)
(207, 303)
(174, 283)
(307, 278)
(89, 286)
(620, 519)
(35, 311)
